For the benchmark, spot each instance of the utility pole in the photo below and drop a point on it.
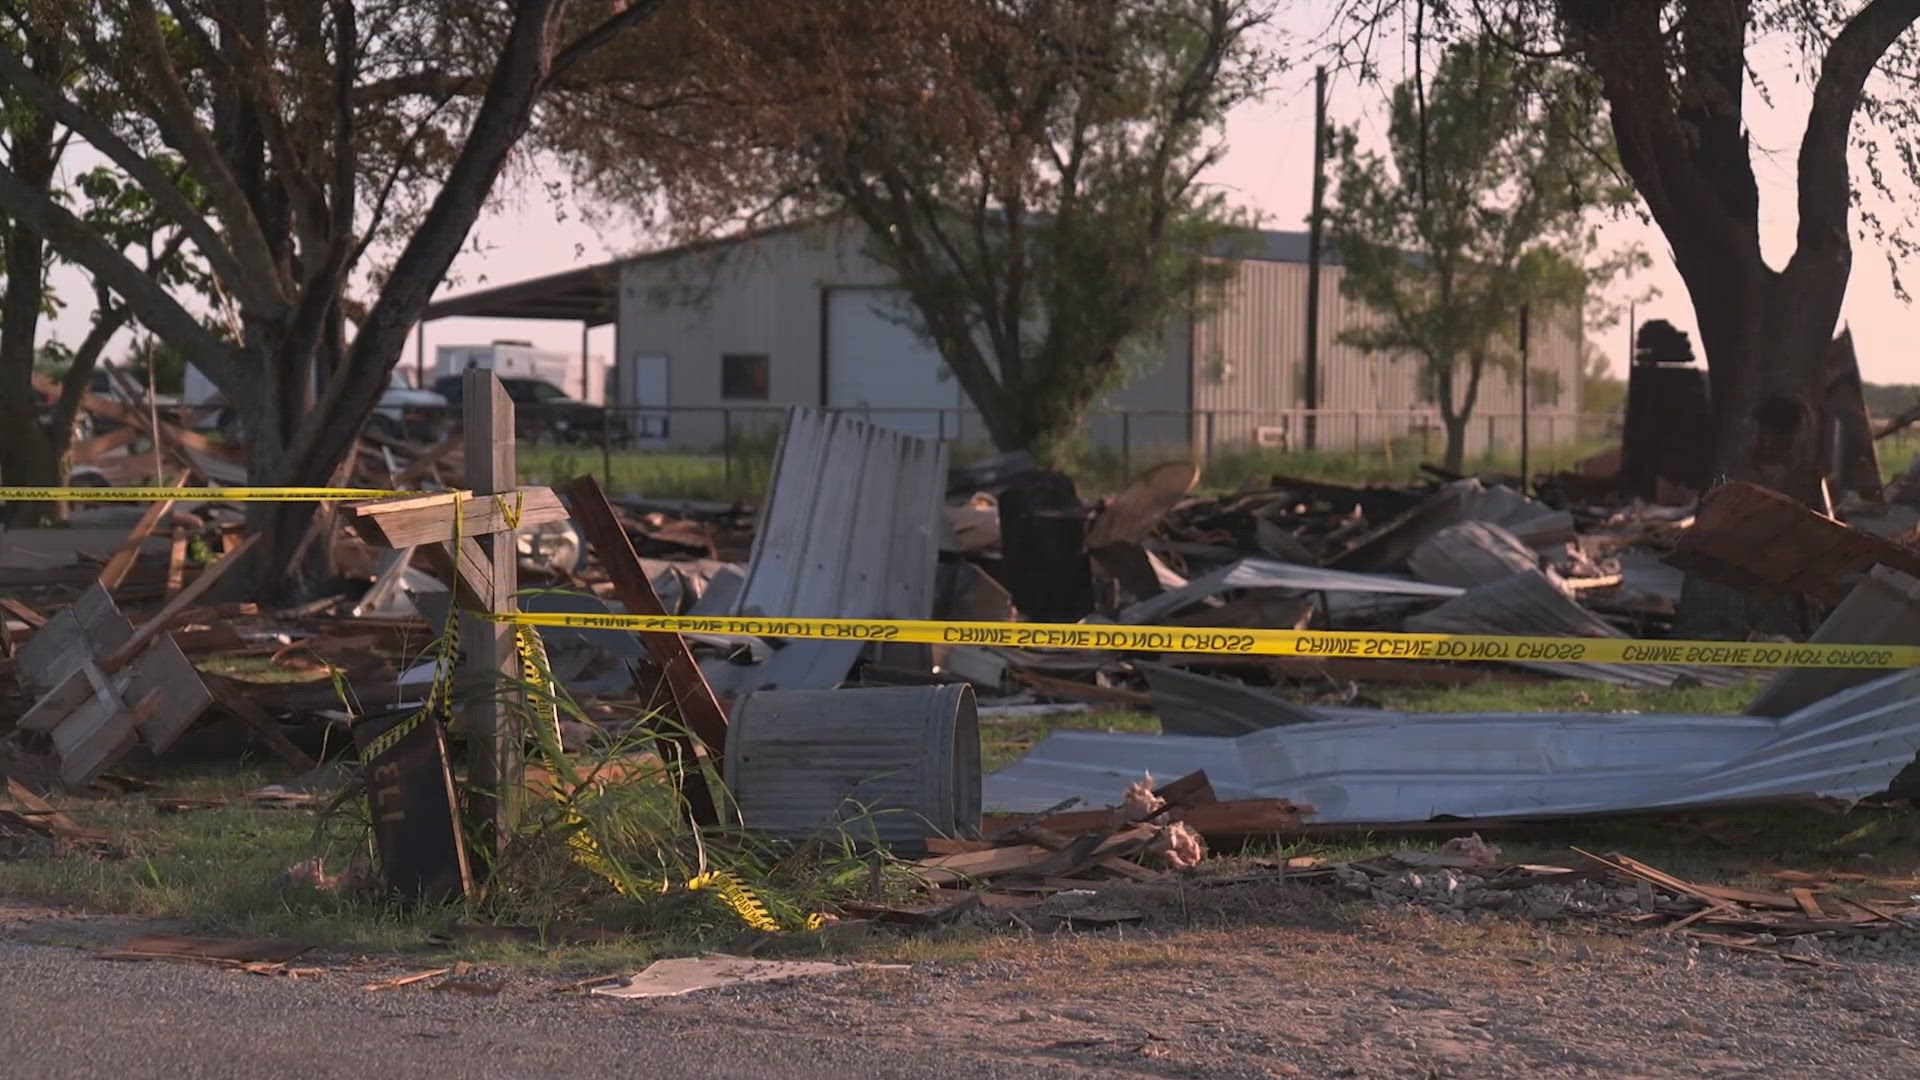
(1526, 399)
(1311, 390)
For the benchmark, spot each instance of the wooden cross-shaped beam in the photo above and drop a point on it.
(470, 535)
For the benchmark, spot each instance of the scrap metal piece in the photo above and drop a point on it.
(1269, 574)
(1470, 553)
(1400, 768)
(1882, 610)
(1192, 704)
(848, 531)
(1536, 603)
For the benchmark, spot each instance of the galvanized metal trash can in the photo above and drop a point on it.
(890, 765)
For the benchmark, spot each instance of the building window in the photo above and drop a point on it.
(744, 376)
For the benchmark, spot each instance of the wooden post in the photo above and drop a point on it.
(493, 725)
(696, 709)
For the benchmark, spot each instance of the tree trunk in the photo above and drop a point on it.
(24, 455)
(1765, 353)
(1455, 458)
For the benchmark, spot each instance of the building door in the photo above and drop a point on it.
(649, 372)
(878, 366)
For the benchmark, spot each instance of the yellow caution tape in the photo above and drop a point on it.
(224, 494)
(1317, 644)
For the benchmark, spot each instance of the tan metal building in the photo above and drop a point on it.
(716, 339)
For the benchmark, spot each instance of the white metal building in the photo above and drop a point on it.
(726, 334)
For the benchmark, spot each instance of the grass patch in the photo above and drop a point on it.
(659, 474)
(1003, 740)
(1566, 695)
(1897, 456)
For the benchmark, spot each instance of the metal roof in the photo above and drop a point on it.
(588, 294)
(1399, 767)
(591, 294)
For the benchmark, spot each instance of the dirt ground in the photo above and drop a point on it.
(1271, 980)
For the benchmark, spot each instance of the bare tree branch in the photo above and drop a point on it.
(1825, 190)
(183, 132)
(151, 178)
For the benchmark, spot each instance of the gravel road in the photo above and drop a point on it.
(1267, 982)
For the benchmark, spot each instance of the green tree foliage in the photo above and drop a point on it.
(1480, 207)
(286, 139)
(1602, 393)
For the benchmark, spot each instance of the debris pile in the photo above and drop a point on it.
(115, 649)
(1625, 891)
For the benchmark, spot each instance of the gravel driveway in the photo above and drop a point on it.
(1261, 981)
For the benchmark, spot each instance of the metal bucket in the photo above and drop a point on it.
(889, 765)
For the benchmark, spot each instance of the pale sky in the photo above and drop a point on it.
(1268, 169)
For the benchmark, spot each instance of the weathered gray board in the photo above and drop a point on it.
(160, 676)
(848, 531)
(1397, 767)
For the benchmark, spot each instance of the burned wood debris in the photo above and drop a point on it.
(116, 651)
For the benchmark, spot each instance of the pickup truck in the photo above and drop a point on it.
(544, 413)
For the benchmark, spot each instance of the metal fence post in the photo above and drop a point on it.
(1208, 454)
(606, 445)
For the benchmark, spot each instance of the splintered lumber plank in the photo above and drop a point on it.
(1804, 897)
(1192, 789)
(1239, 817)
(176, 562)
(1635, 868)
(176, 607)
(1053, 841)
(699, 713)
(943, 869)
(400, 523)
(115, 572)
(1242, 817)
(234, 699)
(22, 612)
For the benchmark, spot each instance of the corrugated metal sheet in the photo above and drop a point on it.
(1535, 603)
(1396, 767)
(1272, 574)
(1250, 355)
(1469, 554)
(848, 531)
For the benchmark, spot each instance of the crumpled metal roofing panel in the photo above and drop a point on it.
(1399, 767)
(1273, 574)
(849, 531)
